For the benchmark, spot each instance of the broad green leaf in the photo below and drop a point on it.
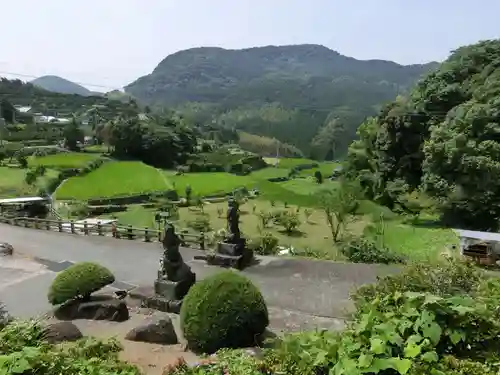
(430, 298)
(401, 365)
(403, 325)
(432, 331)
(412, 350)
(21, 366)
(462, 310)
(430, 357)
(365, 360)
(377, 346)
(378, 364)
(456, 336)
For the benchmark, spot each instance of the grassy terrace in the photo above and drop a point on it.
(114, 179)
(63, 160)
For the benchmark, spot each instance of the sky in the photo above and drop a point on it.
(106, 44)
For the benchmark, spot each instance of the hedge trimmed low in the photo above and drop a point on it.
(79, 281)
(223, 311)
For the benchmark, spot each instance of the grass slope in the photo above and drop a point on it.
(12, 182)
(114, 179)
(204, 184)
(63, 160)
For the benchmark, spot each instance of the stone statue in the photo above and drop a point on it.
(174, 277)
(232, 252)
(233, 221)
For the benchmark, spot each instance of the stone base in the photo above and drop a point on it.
(232, 249)
(162, 304)
(99, 307)
(173, 290)
(222, 260)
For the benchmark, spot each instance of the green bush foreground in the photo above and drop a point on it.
(79, 281)
(223, 311)
(23, 351)
(431, 319)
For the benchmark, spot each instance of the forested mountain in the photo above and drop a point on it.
(443, 138)
(60, 85)
(20, 93)
(287, 92)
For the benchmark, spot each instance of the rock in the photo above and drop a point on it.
(6, 249)
(100, 307)
(157, 329)
(58, 332)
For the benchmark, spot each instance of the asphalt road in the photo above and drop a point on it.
(316, 288)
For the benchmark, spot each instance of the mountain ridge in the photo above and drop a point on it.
(310, 82)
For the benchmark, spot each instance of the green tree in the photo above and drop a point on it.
(23, 161)
(73, 134)
(339, 205)
(30, 177)
(330, 142)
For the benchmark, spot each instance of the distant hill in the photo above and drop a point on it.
(285, 92)
(40, 100)
(61, 85)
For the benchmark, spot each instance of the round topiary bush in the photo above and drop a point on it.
(79, 281)
(223, 311)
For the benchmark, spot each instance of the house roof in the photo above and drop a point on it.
(476, 235)
(23, 109)
(22, 200)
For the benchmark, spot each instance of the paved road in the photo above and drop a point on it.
(317, 288)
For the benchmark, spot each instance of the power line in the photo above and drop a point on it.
(79, 83)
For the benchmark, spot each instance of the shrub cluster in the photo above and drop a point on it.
(265, 244)
(24, 351)
(367, 250)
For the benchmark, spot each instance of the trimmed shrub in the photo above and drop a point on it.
(223, 311)
(79, 281)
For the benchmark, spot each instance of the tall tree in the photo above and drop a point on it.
(73, 134)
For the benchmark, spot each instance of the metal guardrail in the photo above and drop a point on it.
(111, 230)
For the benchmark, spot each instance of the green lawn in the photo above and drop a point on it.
(204, 184)
(418, 244)
(114, 179)
(289, 163)
(326, 168)
(306, 186)
(12, 182)
(271, 172)
(63, 160)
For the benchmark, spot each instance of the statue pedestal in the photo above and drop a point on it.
(233, 249)
(169, 294)
(234, 255)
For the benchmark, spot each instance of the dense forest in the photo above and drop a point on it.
(305, 95)
(443, 139)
